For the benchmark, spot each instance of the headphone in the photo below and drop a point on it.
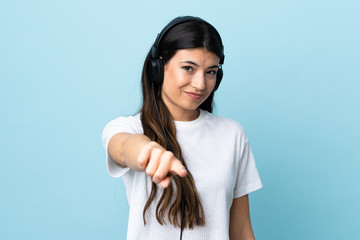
(155, 66)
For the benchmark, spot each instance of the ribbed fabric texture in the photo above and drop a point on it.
(217, 153)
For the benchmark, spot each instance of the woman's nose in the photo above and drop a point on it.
(198, 81)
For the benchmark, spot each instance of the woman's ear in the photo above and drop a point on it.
(165, 65)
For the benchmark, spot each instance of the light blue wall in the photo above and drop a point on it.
(292, 72)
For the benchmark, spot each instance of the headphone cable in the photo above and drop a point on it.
(158, 113)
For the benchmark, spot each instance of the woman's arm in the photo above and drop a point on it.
(139, 153)
(240, 224)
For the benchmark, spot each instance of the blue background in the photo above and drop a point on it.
(291, 78)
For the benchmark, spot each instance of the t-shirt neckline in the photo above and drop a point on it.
(186, 124)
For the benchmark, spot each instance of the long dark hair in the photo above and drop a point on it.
(185, 35)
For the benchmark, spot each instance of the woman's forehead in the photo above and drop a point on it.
(197, 55)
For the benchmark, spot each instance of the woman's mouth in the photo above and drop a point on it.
(194, 96)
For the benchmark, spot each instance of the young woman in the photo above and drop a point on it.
(187, 172)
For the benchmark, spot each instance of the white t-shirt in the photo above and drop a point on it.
(217, 153)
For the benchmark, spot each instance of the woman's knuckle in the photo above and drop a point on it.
(167, 156)
(140, 164)
(149, 172)
(159, 175)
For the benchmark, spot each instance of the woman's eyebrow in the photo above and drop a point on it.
(191, 62)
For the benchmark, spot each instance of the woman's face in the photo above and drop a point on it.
(189, 78)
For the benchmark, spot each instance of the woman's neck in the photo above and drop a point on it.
(185, 116)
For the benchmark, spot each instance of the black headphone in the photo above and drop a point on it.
(155, 66)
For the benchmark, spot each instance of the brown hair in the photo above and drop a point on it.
(190, 34)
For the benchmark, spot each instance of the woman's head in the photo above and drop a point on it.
(181, 33)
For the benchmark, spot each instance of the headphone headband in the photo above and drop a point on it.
(173, 23)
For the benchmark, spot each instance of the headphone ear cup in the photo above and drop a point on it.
(155, 70)
(219, 76)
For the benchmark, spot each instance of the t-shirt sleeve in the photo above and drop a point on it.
(248, 179)
(130, 125)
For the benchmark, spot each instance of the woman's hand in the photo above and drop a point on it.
(159, 164)
(139, 153)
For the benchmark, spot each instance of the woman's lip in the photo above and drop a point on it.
(194, 96)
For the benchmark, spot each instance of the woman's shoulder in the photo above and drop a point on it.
(130, 118)
(224, 122)
(131, 124)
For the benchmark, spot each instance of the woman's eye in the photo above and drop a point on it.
(187, 68)
(212, 72)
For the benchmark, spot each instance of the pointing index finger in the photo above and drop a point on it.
(178, 169)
